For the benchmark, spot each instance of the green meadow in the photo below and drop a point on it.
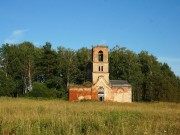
(22, 116)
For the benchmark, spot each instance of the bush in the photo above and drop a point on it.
(87, 84)
(41, 90)
(62, 93)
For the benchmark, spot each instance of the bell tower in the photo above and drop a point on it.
(100, 63)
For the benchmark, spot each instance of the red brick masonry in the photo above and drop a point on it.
(115, 94)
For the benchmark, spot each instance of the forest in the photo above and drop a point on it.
(30, 71)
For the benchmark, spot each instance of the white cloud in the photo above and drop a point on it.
(16, 36)
(174, 63)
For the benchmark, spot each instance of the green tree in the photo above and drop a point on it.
(124, 65)
(17, 60)
(47, 67)
(68, 66)
(6, 84)
(84, 58)
(170, 89)
(12, 66)
(152, 81)
(27, 57)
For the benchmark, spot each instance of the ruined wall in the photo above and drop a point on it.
(121, 94)
(76, 94)
(115, 94)
(94, 94)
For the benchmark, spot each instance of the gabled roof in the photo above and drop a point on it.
(101, 82)
(116, 83)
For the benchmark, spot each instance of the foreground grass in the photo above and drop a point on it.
(49, 117)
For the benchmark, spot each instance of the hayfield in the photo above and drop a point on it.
(55, 117)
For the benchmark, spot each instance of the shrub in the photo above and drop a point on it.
(41, 90)
(62, 93)
(87, 84)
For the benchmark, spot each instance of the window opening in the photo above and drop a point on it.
(100, 56)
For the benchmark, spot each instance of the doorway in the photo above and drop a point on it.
(101, 94)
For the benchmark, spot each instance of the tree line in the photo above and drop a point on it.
(27, 70)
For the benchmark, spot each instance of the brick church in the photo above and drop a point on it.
(102, 88)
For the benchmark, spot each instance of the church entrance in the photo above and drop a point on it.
(101, 94)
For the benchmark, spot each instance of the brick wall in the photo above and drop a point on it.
(76, 94)
(116, 94)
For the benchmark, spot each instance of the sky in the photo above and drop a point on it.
(150, 25)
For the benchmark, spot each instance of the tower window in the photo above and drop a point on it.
(100, 68)
(100, 56)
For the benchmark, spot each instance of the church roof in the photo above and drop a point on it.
(116, 83)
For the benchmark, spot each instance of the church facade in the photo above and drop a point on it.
(102, 88)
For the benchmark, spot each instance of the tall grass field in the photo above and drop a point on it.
(56, 117)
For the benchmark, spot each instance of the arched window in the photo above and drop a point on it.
(100, 56)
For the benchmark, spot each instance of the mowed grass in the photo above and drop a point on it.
(55, 117)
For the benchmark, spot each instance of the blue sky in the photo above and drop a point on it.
(151, 25)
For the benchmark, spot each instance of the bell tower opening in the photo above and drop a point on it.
(100, 56)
